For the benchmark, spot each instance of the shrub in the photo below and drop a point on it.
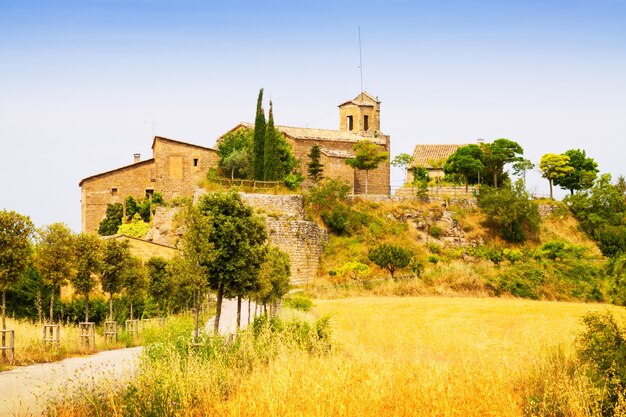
(513, 255)
(293, 181)
(299, 302)
(602, 348)
(435, 231)
(434, 259)
(553, 250)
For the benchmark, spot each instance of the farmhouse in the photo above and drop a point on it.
(176, 167)
(431, 157)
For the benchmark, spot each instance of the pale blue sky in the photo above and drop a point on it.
(83, 82)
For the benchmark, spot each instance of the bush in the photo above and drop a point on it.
(553, 250)
(299, 302)
(435, 231)
(602, 348)
(293, 181)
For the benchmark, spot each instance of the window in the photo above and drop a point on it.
(366, 123)
(195, 162)
(149, 193)
(114, 191)
(350, 123)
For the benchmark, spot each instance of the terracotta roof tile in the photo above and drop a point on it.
(426, 155)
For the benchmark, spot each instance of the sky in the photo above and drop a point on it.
(85, 84)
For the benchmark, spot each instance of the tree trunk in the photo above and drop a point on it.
(495, 180)
(238, 311)
(218, 308)
(52, 306)
(366, 177)
(87, 308)
(131, 308)
(4, 319)
(550, 181)
(466, 184)
(232, 174)
(111, 306)
(196, 316)
(248, 310)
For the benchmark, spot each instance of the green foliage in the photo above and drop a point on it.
(274, 276)
(553, 250)
(136, 228)
(553, 167)
(16, 251)
(511, 212)
(112, 220)
(315, 167)
(299, 301)
(259, 139)
(497, 154)
(279, 159)
(583, 174)
(435, 231)
(115, 258)
(343, 220)
(602, 348)
(434, 259)
(367, 156)
(513, 255)
(55, 257)
(402, 161)
(236, 153)
(161, 284)
(135, 282)
(329, 200)
(420, 175)
(237, 164)
(355, 270)
(27, 297)
(417, 267)
(88, 265)
(390, 257)
(466, 161)
(293, 181)
(327, 194)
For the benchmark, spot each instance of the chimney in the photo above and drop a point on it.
(136, 157)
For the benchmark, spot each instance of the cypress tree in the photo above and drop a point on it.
(259, 138)
(315, 166)
(273, 167)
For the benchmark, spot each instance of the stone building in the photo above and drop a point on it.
(174, 170)
(176, 167)
(359, 119)
(431, 157)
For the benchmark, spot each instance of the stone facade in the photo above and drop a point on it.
(174, 170)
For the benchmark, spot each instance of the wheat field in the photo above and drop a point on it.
(426, 356)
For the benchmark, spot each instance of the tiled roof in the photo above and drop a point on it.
(363, 99)
(305, 133)
(425, 155)
(133, 165)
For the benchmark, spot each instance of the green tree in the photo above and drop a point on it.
(112, 220)
(115, 259)
(315, 168)
(88, 264)
(55, 257)
(274, 276)
(238, 237)
(510, 211)
(160, 283)
(135, 281)
(259, 139)
(196, 253)
(521, 167)
(135, 228)
(16, 251)
(367, 157)
(354, 269)
(241, 142)
(584, 173)
(272, 170)
(466, 161)
(499, 153)
(402, 161)
(390, 257)
(554, 166)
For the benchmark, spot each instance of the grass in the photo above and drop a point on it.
(426, 356)
(29, 348)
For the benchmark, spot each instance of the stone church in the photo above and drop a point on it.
(176, 167)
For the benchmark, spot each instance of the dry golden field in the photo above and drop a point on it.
(427, 357)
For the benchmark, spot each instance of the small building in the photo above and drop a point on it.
(431, 157)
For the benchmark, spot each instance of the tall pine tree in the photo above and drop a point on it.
(316, 168)
(259, 138)
(273, 169)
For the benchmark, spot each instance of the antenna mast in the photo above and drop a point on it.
(360, 59)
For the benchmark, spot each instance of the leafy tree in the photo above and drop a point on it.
(88, 264)
(16, 250)
(466, 161)
(553, 167)
(420, 175)
(354, 269)
(273, 278)
(115, 259)
(259, 139)
(584, 173)
(196, 253)
(55, 257)
(136, 228)
(135, 281)
(521, 167)
(160, 282)
(238, 237)
(315, 168)
(402, 161)
(112, 220)
(367, 157)
(510, 211)
(390, 257)
(499, 153)
(240, 142)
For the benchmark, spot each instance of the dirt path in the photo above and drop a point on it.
(26, 390)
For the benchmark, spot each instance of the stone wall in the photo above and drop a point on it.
(145, 250)
(284, 216)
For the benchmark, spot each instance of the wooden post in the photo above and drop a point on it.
(51, 335)
(86, 335)
(8, 344)
(132, 327)
(110, 331)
